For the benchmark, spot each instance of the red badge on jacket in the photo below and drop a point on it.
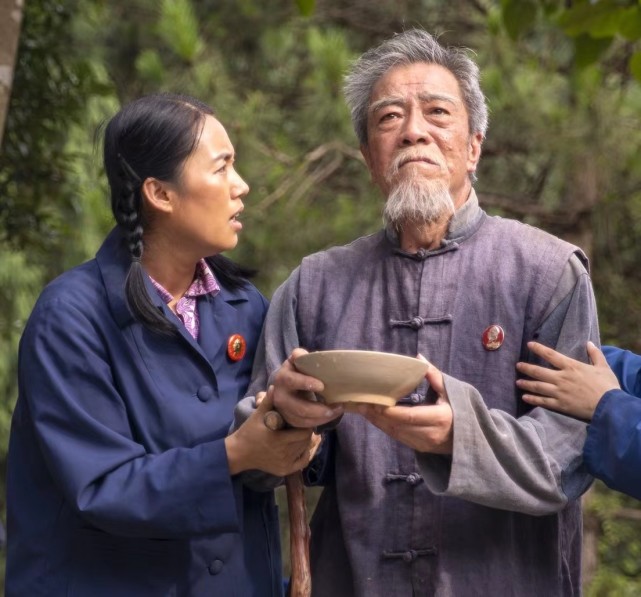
(493, 337)
(236, 347)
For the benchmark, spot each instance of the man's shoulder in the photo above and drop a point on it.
(520, 236)
(516, 231)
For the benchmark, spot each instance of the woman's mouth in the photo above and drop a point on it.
(235, 221)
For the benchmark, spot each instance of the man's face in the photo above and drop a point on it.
(418, 128)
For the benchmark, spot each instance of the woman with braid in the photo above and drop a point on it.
(122, 478)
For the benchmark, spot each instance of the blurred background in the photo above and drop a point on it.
(562, 80)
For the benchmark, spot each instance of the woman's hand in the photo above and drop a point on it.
(572, 387)
(254, 446)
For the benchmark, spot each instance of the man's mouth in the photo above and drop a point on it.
(412, 160)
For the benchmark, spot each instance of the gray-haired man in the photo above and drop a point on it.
(463, 490)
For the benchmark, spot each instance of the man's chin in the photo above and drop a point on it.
(417, 203)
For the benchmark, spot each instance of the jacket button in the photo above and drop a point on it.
(215, 567)
(416, 322)
(409, 556)
(205, 393)
(413, 479)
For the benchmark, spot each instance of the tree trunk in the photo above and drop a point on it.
(10, 19)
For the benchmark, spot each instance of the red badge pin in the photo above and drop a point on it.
(493, 337)
(236, 347)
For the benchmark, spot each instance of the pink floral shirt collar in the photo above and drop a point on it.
(204, 283)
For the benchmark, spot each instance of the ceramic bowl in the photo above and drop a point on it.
(362, 375)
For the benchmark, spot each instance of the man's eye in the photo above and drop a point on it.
(221, 170)
(389, 116)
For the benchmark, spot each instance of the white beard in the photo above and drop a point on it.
(416, 201)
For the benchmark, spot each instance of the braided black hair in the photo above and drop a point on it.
(152, 137)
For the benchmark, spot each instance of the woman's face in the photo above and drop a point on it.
(207, 198)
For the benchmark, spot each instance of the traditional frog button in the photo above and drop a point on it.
(493, 337)
(236, 347)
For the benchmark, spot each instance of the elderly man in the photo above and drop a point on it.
(462, 489)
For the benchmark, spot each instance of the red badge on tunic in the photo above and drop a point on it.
(493, 337)
(236, 347)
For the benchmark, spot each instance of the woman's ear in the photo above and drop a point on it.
(157, 195)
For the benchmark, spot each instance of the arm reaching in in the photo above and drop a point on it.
(572, 387)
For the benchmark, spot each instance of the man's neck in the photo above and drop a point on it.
(413, 237)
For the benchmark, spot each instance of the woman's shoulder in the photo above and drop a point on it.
(80, 288)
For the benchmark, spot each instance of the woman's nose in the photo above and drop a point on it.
(241, 188)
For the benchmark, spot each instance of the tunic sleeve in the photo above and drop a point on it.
(279, 336)
(81, 423)
(278, 339)
(531, 464)
(627, 367)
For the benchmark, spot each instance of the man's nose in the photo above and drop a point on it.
(415, 129)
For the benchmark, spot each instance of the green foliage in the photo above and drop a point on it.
(518, 16)
(178, 28)
(619, 571)
(306, 7)
(635, 65)
(20, 283)
(598, 19)
(50, 87)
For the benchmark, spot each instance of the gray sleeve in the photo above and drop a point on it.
(278, 338)
(532, 464)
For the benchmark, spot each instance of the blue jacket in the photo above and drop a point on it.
(612, 451)
(118, 481)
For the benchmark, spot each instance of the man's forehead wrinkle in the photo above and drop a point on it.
(426, 96)
(401, 100)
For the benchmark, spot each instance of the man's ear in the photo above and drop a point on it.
(157, 196)
(365, 154)
(368, 160)
(474, 151)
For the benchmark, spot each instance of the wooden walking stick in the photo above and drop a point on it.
(300, 583)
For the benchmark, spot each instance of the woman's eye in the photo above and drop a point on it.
(222, 170)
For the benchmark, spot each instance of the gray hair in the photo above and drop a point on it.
(409, 47)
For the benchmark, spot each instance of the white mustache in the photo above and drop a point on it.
(412, 154)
